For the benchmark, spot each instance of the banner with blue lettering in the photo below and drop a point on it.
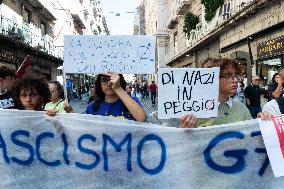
(85, 151)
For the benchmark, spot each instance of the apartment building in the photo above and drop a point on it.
(37, 28)
(248, 30)
(27, 28)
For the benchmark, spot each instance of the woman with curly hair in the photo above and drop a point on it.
(31, 91)
(113, 100)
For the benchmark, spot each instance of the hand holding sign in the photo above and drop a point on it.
(192, 90)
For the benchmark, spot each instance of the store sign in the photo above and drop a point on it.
(270, 48)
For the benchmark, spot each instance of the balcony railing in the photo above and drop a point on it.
(13, 26)
(224, 13)
(183, 6)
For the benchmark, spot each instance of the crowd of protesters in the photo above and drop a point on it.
(110, 95)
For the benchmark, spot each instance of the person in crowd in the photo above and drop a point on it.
(240, 96)
(57, 97)
(275, 89)
(79, 91)
(135, 88)
(112, 99)
(74, 92)
(245, 79)
(145, 93)
(7, 78)
(31, 92)
(92, 92)
(129, 89)
(153, 89)
(253, 94)
(229, 110)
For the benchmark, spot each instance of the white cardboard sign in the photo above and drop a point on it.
(273, 136)
(99, 54)
(184, 90)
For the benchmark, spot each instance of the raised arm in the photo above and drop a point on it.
(133, 107)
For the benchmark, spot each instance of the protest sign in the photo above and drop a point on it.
(184, 90)
(99, 54)
(273, 135)
(86, 151)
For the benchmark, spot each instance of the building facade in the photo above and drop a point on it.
(27, 28)
(248, 30)
(37, 28)
(78, 17)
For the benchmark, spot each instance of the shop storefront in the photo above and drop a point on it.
(270, 58)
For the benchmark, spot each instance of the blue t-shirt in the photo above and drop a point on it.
(116, 109)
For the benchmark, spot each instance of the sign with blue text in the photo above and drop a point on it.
(86, 151)
(184, 90)
(99, 54)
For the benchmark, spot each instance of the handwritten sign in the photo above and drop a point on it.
(99, 54)
(273, 135)
(184, 90)
(85, 151)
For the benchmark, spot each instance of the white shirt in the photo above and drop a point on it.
(229, 102)
(272, 107)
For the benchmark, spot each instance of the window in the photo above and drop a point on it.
(43, 27)
(26, 14)
(175, 43)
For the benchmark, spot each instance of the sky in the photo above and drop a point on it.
(123, 24)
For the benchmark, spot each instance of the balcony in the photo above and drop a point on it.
(43, 7)
(183, 6)
(78, 17)
(225, 13)
(173, 23)
(13, 27)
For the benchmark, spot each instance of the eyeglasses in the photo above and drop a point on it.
(256, 79)
(230, 77)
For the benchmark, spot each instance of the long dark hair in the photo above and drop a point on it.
(100, 95)
(273, 78)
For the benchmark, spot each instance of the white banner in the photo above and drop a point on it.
(184, 90)
(273, 135)
(99, 54)
(85, 151)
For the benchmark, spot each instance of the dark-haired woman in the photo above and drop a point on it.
(113, 100)
(57, 96)
(275, 89)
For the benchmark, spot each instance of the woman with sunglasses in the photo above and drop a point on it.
(57, 96)
(113, 100)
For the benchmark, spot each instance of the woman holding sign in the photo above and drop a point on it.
(229, 111)
(113, 100)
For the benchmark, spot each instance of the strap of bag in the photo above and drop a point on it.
(58, 103)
